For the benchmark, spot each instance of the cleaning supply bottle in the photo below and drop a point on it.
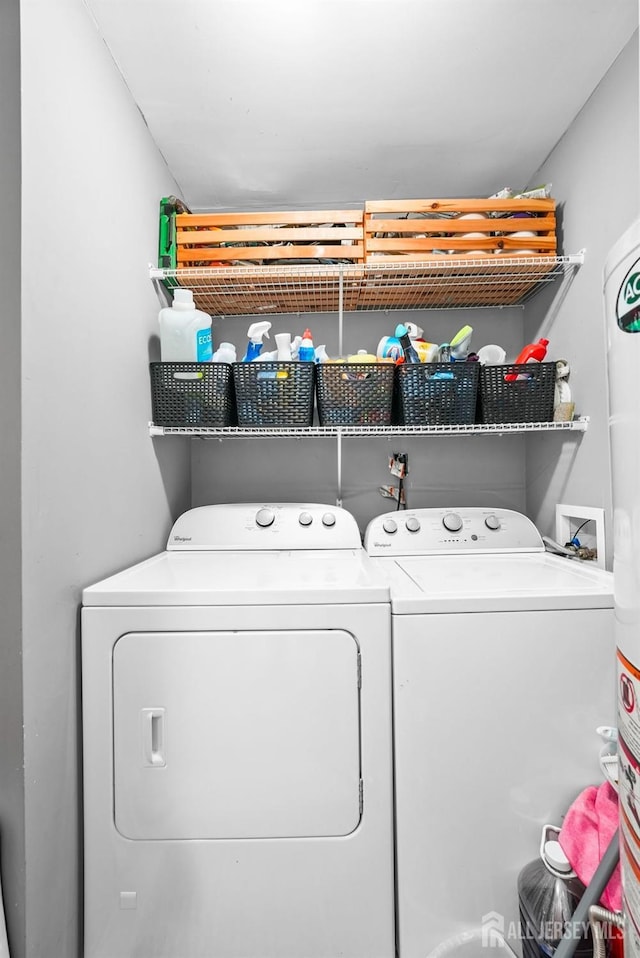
(321, 354)
(389, 348)
(306, 352)
(548, 892)
(362, 356)
(283, 342)
(255, 333)
(185, 332)
(409, 350)
(460, 345)
(226, 353)
(532, 353)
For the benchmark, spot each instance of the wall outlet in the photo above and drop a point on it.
(569, 519)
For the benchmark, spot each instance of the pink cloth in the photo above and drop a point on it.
(586, 833)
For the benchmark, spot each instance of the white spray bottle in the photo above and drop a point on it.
(255, 333)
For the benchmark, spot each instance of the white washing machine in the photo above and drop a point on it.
(503, 661)
(237, 743)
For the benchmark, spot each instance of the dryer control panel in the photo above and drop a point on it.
(454, 530)
(264, 525)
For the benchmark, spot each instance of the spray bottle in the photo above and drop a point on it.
(185, 332)
(409, 350)
(255, 333)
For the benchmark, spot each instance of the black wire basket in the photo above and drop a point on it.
(192, 394)
(273, 394)
(436, 394)
(517, 392)
(355, 394)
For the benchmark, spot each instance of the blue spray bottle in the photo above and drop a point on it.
(255, 333)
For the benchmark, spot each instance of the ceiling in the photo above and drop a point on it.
(314, 104)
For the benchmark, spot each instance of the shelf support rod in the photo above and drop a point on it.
(339, 468)
(340, 306)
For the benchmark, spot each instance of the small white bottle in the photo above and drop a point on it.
(185, 332)
(226, 353)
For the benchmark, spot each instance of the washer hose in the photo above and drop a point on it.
(592, 895)
(597, 917)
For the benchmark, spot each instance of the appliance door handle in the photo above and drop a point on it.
(153, 754)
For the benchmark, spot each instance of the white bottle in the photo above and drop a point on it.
(283, 342)
(185, 332)
(226, 353)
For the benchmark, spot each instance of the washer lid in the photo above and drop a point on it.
(494, 583)
(316, 577)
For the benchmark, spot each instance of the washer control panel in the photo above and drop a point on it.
(251, 526)
(457, 530)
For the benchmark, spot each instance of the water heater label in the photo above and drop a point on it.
(628, 301)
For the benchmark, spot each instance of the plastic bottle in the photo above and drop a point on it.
(283, 342)
(409, 350)
(185, 332)
(255, 334)
(460, 345)
(306, 352)
(321, 354)
(362, 356)
(532, 353)
(389, 348)
(549, 892)
(226, 353)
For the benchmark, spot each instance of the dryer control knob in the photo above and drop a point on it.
(265, 517)
(413, 524)
(452, 522)
(305, 519)
(328, 519)
(390, 526)
(492, 522)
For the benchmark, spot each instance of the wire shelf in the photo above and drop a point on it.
(366, 432)
(447, 282)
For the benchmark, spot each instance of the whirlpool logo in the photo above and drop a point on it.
(182, 538)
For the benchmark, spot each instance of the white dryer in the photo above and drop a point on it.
(237, 743)
(503, 663)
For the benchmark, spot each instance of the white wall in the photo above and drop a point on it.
(472, 471)
(11, 749)
(594, 170)
(97, 493)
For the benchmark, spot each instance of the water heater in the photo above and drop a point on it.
(622, 305)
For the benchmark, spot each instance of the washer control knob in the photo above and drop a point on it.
(492, 522)
(413, 524)
(452, 522)
(265, 518)
(328, 519)
(390, 526)
(305, 519)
